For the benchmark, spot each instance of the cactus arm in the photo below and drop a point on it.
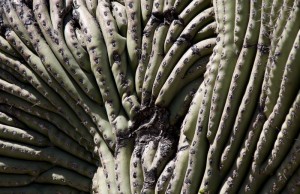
(17, 25)
(115, 44)
(189, 132)
(203, 112)
(14, 72)
(181, 103)
(199, 144)
(277, 26)
(169, 10)
(79, 53)
(67, 144)
(176, 77)
(179, 5)
(123, 151)
(206, 32)
(244, 159)
(100, 67)
(274, 38)
(51, 117)
(148, 154)
(99, 184)
(27, 94)
(57, 12)
(193, 9)
(164, 178)
(288, 86)
(169, 41)
(119, 13)
(134, 32)
(37, 65)
(12, 77)
(274, 122)
(61, 176)
(7, 48)
(146, 10)
(71, 143)
(156, 57)
(23, 105)
(148, 36)
(197, 69)
(147, 159)
(99, 60)
(247, 107)
(91, 5)
(197, 156)
(179, 47)
(109, 161)
(286, 169)
(52, 155)
(8, 63)
(54, 69)
(237, 87)
(164, 152)
(17, 166)
(57, 45)
(157, 8)
(229, 56)
(284, 142)
(31, 59)
(44, 89)
(63, 159)
(290, 32)
(108, 164)
(275, 12)
(122, 163)
(181, 162)
(50, 62)
(136, 171)
(242, 12)
(23, 136)
(10, 120)
(189, 123)
(186, 89)
(183, 21)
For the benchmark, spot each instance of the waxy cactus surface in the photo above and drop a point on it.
(150, 96)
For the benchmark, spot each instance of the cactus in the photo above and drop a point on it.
(149, 96)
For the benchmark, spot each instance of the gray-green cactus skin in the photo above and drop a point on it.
(149, 96)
